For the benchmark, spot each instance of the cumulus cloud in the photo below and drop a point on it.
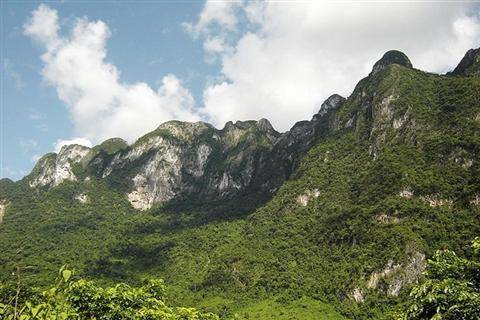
(81, 141)
(216, 13)
(101, 106)
(43, 25)
(289, 56)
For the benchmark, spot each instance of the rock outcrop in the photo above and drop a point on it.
(3, 208)
(470, 64)
(391, 57)
(52, 169)
(305, 198)
(194, 161)
(393, 277)
(81, 197)
(396, 276)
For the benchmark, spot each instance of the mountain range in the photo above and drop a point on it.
(333, 219)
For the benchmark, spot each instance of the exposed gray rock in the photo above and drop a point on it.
(375, 277)
(140, 199)
(407, 274)
(387, 219)
(470, 64)
(393, 277)
(391, 57)
(52, 169)
(81, 197)
(476, 200)
(333, 102)
(3, 208)
(434, 200)
(358, 295)
(406, 193)
(304, 198)
(160, 176)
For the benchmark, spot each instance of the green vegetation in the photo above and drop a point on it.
(451, 289)
(276, 309)
(83, 299)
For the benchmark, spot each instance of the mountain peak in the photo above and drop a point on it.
(72, 148)
(470, 64)
(332, 102)
(391, 57)
(265, 125)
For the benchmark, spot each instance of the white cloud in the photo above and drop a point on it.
(215, 45)
(216, 13)
(218, 19)
(81, 141)
(43, 25)
(101, 106)
(292, 55)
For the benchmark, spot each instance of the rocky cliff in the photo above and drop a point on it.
(195, 161)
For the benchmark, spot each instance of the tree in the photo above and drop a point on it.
(451, 289)
(83, 299)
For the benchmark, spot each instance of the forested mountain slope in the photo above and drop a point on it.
(335, 217)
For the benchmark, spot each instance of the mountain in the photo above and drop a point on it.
(334, 218)
(194, 161)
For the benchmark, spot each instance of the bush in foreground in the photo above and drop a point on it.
(451, 289)
(83, 299)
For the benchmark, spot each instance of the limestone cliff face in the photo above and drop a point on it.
(3, 208)
(393, 277)
(52, 169)
(192, 161)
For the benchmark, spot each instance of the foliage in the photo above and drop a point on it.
(82, 299)
(451, 289)
(276, 309)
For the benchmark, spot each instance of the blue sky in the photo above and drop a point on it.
(88, 70)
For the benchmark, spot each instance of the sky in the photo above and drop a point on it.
(85, 71)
